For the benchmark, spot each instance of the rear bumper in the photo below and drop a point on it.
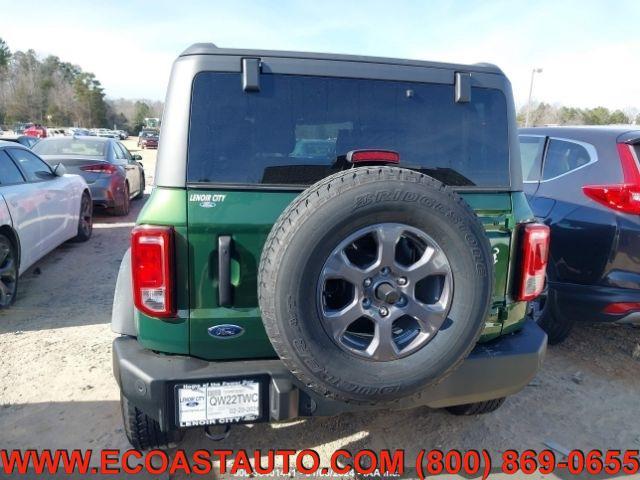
(493, 370)
(106, 193)
(587, 302)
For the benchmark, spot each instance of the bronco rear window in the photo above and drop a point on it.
(297, 129)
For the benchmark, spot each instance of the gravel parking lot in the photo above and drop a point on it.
(57, 389)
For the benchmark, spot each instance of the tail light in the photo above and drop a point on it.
(534, 255)
(100, 168)
(623, 197)
(621, 308)
(373, 156)
(152, 266)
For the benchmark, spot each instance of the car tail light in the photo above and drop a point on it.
(152, 266)
(100, 168)
(621, 308)
(623, 197)
(534, 255)
(373, 156)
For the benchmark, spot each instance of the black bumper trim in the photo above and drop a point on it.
(586, 303)
(493, 370)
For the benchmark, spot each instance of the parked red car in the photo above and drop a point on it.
(149, 141)
(36, 130)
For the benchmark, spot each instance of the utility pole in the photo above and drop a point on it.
(533, 72)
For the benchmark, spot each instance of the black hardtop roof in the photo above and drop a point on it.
(211, 49)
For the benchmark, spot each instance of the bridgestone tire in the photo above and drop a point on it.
(311, 228)
(143, 432)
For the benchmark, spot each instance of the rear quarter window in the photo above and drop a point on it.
(297, 129)
(564, 156)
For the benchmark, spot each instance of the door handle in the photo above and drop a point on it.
(224, 271)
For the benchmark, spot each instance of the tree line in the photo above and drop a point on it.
(57, 93)
(546, 114)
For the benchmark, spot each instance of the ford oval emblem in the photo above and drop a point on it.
(225, 331)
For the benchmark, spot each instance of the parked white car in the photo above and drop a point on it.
(105, 132)
(40, 208)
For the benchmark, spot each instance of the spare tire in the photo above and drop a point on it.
(375, 283)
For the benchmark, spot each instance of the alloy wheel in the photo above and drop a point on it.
(86, 216)
(126, 200)
(8, 274)
(385, 291)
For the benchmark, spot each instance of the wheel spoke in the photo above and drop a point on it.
(432, 262)
(339, 320)
(382, 346)
(388, 236)
(429, 317)
(338, 266)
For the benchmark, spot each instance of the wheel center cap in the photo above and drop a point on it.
(387, 293)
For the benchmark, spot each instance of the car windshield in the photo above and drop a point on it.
(298, 129)
(71, 146)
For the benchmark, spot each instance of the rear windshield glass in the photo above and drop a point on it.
(71, 146)
(297, 129)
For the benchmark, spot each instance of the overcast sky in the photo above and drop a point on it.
(589, 50)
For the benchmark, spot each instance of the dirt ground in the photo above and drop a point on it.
(57, 388)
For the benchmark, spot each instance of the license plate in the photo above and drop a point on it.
(218, 402)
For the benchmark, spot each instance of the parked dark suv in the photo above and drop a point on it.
(327, 233)
(584, 182)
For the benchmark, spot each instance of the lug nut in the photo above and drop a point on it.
(385, 271)
(366, 303)
(402, 281)
(368, 282)
(383, 311)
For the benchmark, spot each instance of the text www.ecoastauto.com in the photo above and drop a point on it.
(199, 462)
(426, 463)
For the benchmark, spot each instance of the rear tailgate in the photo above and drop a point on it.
(246, 218)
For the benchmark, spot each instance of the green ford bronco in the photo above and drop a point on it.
(327, 233)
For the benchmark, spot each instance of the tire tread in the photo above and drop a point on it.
(477, 408)
(144, 432)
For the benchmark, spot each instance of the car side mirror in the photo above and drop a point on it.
(59, 170)
(136, 157)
